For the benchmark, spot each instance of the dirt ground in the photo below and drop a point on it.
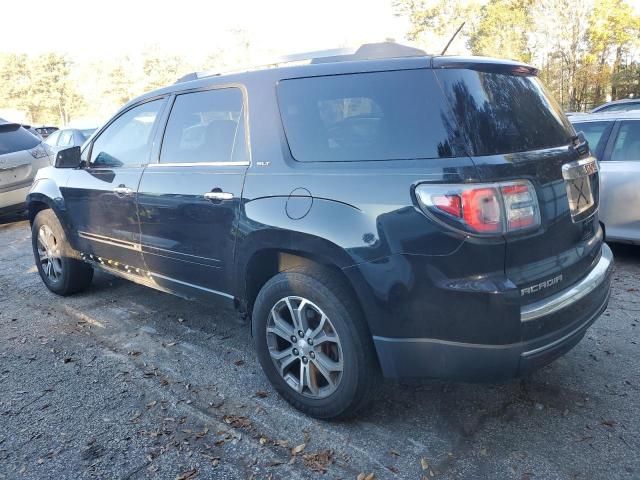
(125, 382)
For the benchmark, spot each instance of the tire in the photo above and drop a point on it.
(313, 294)
(59, 265)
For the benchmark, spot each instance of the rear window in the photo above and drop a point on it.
(366, 116)
(14, 138)
(411, 114)
(501, 113)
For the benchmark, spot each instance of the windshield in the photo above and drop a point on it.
(14, 138)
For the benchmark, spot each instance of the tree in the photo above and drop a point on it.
(432, 25)
(613, 29)
(503, 30)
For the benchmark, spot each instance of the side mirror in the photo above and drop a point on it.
(68, 158)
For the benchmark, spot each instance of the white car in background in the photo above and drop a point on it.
(22, 154)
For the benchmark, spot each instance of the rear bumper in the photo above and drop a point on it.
(14, 200)
(581, 305)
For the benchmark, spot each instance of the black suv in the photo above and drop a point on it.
(383, 211)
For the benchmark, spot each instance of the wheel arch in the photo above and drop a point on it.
(271, 255)
(44, 195)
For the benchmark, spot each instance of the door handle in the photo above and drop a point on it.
(122, 190)
(218, 196)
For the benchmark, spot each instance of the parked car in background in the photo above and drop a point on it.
(22, 154)
(68, 137)
(393, 213)
(32, 130)
(45, 131)
(614, 138)
(624, 105)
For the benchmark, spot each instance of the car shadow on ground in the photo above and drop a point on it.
(10, 219)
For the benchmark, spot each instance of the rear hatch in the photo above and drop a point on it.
(21, 155)
(515, 131)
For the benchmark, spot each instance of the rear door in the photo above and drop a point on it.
(189, 199)
(514, 130)
(620, 177)
(100, 197)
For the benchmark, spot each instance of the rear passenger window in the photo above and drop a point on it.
(366, 116)
(627, 146)
(205, 127)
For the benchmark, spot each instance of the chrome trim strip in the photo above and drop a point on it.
(200, 164)
(580, 168)
(151, 274)
(571, 295)
(110, 241)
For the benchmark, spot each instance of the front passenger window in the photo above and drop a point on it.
(127, 141)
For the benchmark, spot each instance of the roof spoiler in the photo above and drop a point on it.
(485, 64)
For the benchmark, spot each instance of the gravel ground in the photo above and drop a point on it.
(126, 382)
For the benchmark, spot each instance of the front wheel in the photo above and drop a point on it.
(58, 264)
(313, 344)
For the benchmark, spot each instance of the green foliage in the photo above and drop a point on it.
(503, 30)
(587, 50)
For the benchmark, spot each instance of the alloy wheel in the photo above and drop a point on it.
(49, 253)
(305, 347)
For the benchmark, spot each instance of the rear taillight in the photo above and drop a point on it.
(489, 209)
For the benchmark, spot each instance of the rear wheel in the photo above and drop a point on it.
(59, 265)
(313, 344)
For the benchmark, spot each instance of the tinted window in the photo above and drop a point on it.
(627, 146)
(501, 113)
(127, 141)
(367, 116)
(14, 138)
(205, 127)
(593, 132)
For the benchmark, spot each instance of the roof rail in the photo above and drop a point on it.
(367, 51)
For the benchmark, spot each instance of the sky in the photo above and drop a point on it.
(116, 27)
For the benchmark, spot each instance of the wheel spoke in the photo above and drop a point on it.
(42, 239)
(57, 266)
(319, 329)
(326, 365)
(323, 338)
(284, 358)
(297, 315)
(280, 327)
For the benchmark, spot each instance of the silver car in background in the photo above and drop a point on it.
(68, 137)
(22, 154)
(614, 139)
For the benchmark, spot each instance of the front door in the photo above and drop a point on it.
(620, 174)
(189, 200)
(100, 198)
